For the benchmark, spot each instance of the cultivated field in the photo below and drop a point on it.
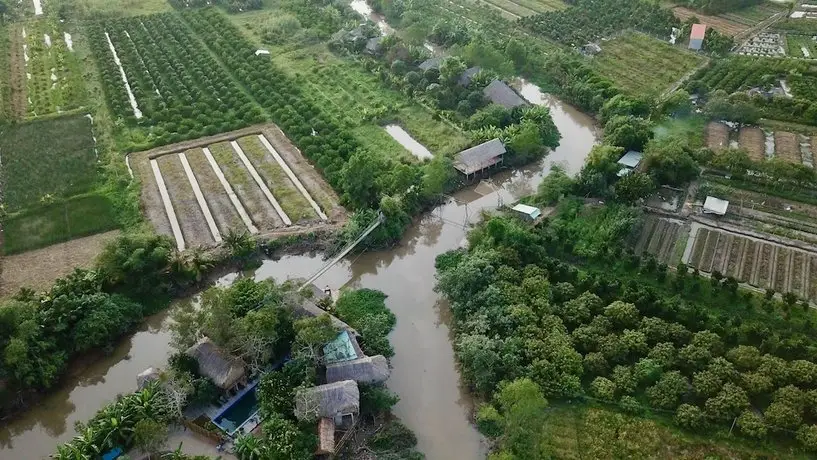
(798, 43)
(753, 140)
(44, 74)
(663, 238)
(253, 180)
(642, 65)
(717, 136)
(721, 24)
(163, 82)
(759, 263)
(518, 8)
(48, 175)
(787, 146)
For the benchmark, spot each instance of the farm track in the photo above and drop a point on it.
(17, 76)
(224, 212)
(254, 201)
(191, 219)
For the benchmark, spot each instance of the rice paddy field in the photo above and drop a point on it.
(49, 172)
(639, 64)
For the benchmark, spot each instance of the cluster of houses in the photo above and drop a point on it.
(335, 404)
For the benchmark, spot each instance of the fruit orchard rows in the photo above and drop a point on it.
(318, 137)
(589, 20)
(182, 91)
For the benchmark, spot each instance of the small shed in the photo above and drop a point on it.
(219, 366)
(715, 206)
(501, 94)
(696, 37)
(333, 400)
(480, 157)
(526, 212)
(629, 162)
(368, 369)
(433, 63)
(468, 75)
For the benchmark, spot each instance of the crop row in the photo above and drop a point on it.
(318, 137)
(589, 20)
(54, 78)
(760, 264)
(180, 89)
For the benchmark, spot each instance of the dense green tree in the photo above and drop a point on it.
(729, 403)
(752, 425)
(522, 406)
(669, 162)
(668, 391)
(603, 388)
(783, 415)
(633, 187)
(690, 417)
(627, 132)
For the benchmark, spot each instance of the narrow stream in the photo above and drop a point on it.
(432, 401)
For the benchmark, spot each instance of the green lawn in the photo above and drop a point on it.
(48, 157)
(642, 65)
(64, 220)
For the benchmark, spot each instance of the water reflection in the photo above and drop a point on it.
(425, 375)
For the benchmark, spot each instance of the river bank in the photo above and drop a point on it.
(425, 375)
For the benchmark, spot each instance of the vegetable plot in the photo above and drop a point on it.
(181, 91)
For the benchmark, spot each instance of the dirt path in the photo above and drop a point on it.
(38, 269)
(254, 201)
(307, 174)
(191, 220)
(17, 76)
(224, 212)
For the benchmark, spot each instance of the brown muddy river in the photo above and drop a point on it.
(432, 401)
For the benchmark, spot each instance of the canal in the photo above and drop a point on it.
(432, 400)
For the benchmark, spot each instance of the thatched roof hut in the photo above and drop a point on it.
(369, 369)
(330, 400)
(326, 436)
(222, 368)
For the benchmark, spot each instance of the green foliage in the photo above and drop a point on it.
(129, 419)
(489, 421)
(366, 311)
(276, 391)
(588, 20)
(394, 437)
(719, 6)
(376, 399)
(522, 408)
(690, 417)
(137, 264)
(628, 132)
(281, 439)
(149, 435)
(670, 162)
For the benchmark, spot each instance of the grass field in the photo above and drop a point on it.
(641, 65)
(48, 157)
(721, 24)
(584, 432)
(64, 220)
(121, 7)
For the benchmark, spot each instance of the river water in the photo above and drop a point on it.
(432, 401)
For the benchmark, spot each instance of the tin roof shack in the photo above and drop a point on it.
(696, 37)
(715, 206)
(501, 94)
(629, 162)
(528, 213)
(225, 370)
(479, 158)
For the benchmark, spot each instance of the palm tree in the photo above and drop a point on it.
(248, 447)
